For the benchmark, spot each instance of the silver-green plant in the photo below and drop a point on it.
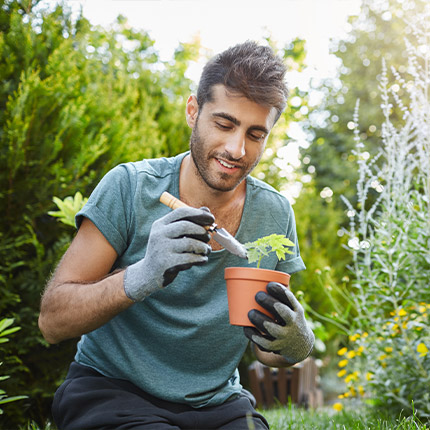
(388, 359)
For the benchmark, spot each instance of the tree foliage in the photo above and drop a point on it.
(75, 100)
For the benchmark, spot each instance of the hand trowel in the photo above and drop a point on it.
(222, 236)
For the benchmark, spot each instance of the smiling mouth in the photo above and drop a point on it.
(225, 164)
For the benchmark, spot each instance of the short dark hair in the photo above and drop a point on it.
(247, 69)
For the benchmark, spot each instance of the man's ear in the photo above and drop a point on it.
(192, 111)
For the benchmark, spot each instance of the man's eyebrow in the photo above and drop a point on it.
(235, 121)
(226, 116)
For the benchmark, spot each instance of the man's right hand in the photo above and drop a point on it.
(176, 242)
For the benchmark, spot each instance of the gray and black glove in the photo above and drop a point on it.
(288, 333)
(176, 242)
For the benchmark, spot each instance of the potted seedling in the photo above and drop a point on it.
(243, 283)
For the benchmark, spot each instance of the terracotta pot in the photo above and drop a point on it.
(243, 283)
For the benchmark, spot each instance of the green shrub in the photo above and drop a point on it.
(74, 101)
(5, 323)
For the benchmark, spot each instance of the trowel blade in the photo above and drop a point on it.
(224, 238)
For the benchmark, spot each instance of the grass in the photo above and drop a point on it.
(293, 418)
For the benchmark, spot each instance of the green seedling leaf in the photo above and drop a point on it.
(265, 245)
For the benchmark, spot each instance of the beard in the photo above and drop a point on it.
(202, 160)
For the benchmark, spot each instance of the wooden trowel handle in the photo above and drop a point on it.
(171, 201)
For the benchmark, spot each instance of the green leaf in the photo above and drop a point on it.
(12, 399)
(68, 208)
(265, 245)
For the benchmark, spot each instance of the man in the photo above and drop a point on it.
(142, 288)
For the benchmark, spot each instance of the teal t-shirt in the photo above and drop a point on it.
(177, 344)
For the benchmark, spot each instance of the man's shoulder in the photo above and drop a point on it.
(265, 194)
(157, 167)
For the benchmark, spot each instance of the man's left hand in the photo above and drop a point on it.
(288, 333)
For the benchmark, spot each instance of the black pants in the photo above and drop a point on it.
(89, 400)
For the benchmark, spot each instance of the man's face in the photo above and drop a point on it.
(228, 138)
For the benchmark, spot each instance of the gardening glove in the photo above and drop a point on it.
(288, 333)
(176, 242)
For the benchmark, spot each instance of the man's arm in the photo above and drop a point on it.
(80, 297)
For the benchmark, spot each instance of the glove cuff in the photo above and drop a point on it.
(136, 286)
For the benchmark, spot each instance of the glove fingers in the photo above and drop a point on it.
(197, 216)
(251, 333)
(170, 274)
(187, 246)
(205, 217)
(182, 228)
(270, 329)
(268, 302)
(259, 319)
(263, 343)
(281, 294)
(288, 304)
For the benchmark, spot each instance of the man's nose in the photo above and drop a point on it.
(235, 145)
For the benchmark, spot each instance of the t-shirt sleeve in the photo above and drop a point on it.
(293, 262)
(109, 207)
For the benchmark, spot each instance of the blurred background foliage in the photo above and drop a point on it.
(76, 100)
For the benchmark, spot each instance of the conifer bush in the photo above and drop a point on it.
(75, 100)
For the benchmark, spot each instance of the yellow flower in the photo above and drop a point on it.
(402, 313)
(342, 351)
(388, 349)
(365, 334)
(382, 357)
(360, 350)
(351, 377)
(369, 376)
(422, 309)
(343, 363)
(341, 373)
(354, 337)
(361, 390)
(338, 406)
(351, 354)
(422, 349)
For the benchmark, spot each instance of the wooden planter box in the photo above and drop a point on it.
(298, 384)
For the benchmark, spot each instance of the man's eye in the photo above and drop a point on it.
(257, 136)
(223, 126)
